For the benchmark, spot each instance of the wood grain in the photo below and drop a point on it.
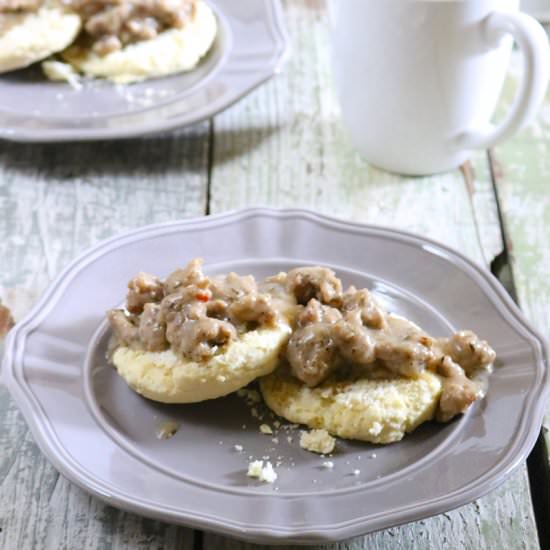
(57, 200)
(522, 172)
(521, 168)
(284, 146)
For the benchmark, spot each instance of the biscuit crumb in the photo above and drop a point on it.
(238, 448)
(266, 429)
(255, 468)
(317, 441)
(265, 473)
(376, 428)
(6, 320)
(167, 429)
(251, 396)
(328, 465)
(268, 473)
(356, 472)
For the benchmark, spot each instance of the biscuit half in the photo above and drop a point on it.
(35, 36)
(172, 51)
(377, 410)
(165, 377)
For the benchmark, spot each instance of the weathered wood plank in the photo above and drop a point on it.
(284, 146)
(56, 201)
(522, 172)
(521, 168)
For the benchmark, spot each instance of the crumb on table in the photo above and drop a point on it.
(6, 320)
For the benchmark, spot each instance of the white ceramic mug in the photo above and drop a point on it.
(419, 80)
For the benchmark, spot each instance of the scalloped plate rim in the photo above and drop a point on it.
(515, 454)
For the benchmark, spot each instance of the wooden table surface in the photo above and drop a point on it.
(281, 146)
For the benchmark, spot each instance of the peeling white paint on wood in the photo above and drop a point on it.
(522, 168)
(284, 146)
(57, 200)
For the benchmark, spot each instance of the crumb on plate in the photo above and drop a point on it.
(265, 473)
(317, 441)
(61, 72)
(167, 429)
(266, 429)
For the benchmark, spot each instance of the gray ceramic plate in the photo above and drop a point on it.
(250, 47)
(102, 436)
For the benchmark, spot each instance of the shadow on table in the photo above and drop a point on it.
(231, 144)
(189, 149)
(182, 150)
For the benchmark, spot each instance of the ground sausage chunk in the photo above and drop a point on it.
(458, 393)
(191, 274)
(15, 6)
(218, 309)
(362, 302)
(315, 312)
(189, 303)
(199, 340)
(109, 21)
(402, 347)
(407, 358)
(466, 349)
(312, 353)
(189, 312)
(321, 283)
(323, 340)
(111, 24)
(124, 330)
(354, 343)
(232, 287)
(357, 332)
(334, 332)
(142, 289)
(253, 308)
(152, 330)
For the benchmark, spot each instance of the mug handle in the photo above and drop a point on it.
(533, 43)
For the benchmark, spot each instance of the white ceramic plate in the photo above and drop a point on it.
(251, 46)
(101, 435)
